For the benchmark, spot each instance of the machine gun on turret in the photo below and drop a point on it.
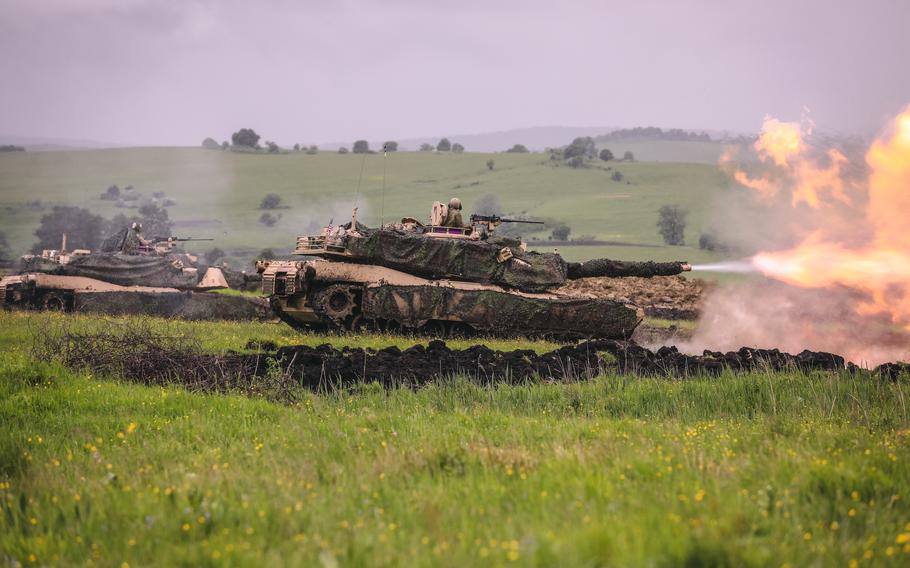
(493, 221)
(164, 245)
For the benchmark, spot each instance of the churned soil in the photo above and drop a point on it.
(664, 297)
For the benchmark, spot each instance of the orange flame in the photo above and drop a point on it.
(781, 148)
(880, 265)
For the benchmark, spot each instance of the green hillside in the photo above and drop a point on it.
(217, 193)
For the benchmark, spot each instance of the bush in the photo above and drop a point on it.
(426, 147)
(211, 144)
(576, 162)
(245, 137)
(628, 156)
(390, 146)
(11, 148)
(617, 176)
(214, 255)
(342, 150)
(268, 219)
(444, 145)
(361, 147)
(83, 229)
(561, 232)
(112, 193)
(312, 150)
(490, 164)
(266, 253)
(296, 147)
(273, 147)
(606, 155)
(518, 149)
(225, 145)
(671, 224)
(710, 241)
(270, 201)
(457, 148)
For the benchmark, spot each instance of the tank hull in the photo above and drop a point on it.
(80, 294)
(339, 295)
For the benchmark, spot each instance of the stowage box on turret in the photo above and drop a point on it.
(444, 278)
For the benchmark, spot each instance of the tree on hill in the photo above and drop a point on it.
(671, 224)
(211, 144)
(425, 147)
(606, 155)
(582, 146)
(444, 145)
(518, 149)
(273, 147)
(297, 147)
(561, 232)
(270, 201)
(83, 229)
(361, 147)
(457, 148)
(628, 156)
(245, 137)
(390, 146)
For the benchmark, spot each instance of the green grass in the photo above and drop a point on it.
(736, 470)
(218, 193)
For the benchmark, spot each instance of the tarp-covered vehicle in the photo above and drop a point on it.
(129, 276)
(445, 279)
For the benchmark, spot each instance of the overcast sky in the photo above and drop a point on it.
(160, 72)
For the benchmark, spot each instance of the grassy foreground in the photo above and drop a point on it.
(736, 470)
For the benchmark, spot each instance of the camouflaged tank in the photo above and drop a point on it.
(444, 279)
(129, 275)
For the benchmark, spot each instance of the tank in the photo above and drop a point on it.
(445, 278)
(129, 275)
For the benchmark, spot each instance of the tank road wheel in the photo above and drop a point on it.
(338, 303)
(53, 302)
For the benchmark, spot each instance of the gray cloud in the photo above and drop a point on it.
(158, 72)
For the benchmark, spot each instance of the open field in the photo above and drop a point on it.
(218, 193)
(755, 469)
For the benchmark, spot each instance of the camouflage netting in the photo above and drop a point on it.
(619, 269)
(473, 261)
(121, 269)
(185, 305)
(124, 240)
(476, 261)
(495, 312)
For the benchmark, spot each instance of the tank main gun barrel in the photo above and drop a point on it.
(618, 269)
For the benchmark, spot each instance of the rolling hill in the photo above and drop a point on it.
(217, 194)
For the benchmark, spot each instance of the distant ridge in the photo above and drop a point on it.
(45, 144)
(535, 138)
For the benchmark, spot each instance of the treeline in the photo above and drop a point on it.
(654, 133)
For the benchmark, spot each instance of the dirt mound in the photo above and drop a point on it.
(665, 297)
(160, 358)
